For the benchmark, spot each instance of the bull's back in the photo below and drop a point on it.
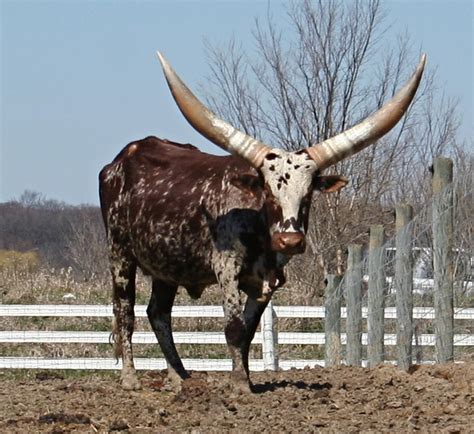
(140, 161)
(158, 198)
(152, 169)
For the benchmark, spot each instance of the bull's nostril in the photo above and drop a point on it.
(288, 242)
(292, 240)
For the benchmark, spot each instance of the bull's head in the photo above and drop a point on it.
(288, 178)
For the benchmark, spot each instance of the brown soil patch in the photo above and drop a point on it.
(345, 399)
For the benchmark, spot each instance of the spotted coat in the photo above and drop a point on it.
(191, 219)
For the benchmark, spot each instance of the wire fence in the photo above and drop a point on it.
(430, 260)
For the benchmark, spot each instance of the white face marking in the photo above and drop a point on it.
(289, 177)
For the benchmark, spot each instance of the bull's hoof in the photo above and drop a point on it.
(130, 382)
(174, 381)
(240, 383)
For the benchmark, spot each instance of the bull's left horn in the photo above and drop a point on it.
(209, 125)
(358, 137)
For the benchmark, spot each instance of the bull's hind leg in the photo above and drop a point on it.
(123, 276)
(159, 314)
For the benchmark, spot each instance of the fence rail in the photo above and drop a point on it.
(269, 341)
(284, 338)
(207, 311)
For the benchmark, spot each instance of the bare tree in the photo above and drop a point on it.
(329, 69)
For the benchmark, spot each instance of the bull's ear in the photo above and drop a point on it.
(248, 183)
(329, 183)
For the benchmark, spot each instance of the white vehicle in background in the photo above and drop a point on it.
(423, 278)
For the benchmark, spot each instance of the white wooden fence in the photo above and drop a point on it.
(269, 337)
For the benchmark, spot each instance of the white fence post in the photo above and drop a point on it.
(269, 339)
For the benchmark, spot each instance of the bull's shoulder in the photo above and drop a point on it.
(151, 153)
(142, 156)
(152, 148)
(155, 143)
(167, 142)
(153, 166)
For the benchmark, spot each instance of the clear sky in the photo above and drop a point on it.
(80, 79)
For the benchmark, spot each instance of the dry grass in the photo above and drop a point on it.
(34, 285)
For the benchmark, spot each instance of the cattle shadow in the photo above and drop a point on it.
(238, 224)
(271, 386)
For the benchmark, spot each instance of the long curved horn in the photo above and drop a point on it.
(209, 125)
(355, 139)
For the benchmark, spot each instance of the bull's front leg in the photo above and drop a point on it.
(227, 273)
(252, 313)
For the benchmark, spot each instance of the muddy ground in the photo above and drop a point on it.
(436, 398)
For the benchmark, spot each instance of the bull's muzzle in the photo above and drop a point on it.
(290, 243)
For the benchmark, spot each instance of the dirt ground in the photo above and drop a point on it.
(436, 398)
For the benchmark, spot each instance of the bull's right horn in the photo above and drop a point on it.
(209, 125)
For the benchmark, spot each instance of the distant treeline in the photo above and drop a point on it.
(62, 235)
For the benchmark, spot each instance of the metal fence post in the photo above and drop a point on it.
(376, 297)
(353, 283)
(332, 323)
(269, 339)
(404, 283)
(443, 257)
